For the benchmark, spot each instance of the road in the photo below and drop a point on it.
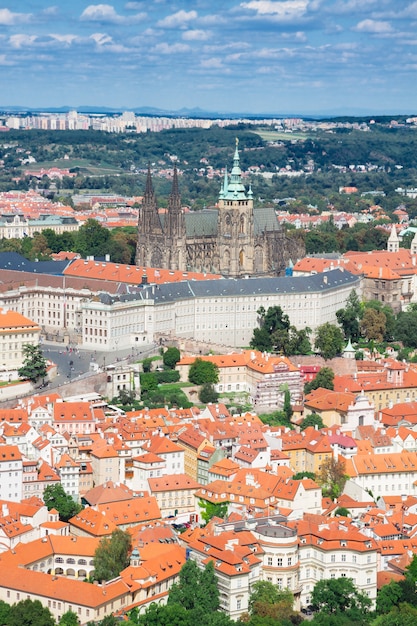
(72, 362)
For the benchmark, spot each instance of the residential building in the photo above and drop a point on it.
(16, 331)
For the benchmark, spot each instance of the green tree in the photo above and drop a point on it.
(329, 340)
(388, 597)
(4, 612)
(170, 357)
(208, 394)
(402, 615)
(55, 497)
(34, 364)
(339, 595)
(202, 371)
(324, 379)
(30, 613)
(287, 408)
(267, 601)
(273, 331)
(312, 420)
(147, 365)
(301, 475)
(349, 317)
(196, 589)
(210, 509)
(69, 618)
(298, 341)
(112, 555)
(342, 511)
(405, 328)
(332, 477)
(92, 239)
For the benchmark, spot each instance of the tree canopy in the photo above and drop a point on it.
(196, 589)
(29, 613)
(210, 509)
(171, 356)
(324, 378)
(312, 420)
(112, 555)
(332, 477)
(329, 340)
(276, 334)
(55, 497)
(340, 596)
(202, 372)
(34, 364)
(349, 317)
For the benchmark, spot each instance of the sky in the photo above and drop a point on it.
(290, 57)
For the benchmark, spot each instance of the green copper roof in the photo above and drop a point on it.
(233, 188)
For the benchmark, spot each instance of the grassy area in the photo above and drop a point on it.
(174, 386)
(275, 135)
(93, 169)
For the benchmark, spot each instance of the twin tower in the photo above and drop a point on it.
(234, 239)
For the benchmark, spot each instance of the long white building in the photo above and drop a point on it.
(223, 311)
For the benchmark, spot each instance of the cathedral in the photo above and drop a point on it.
(235, 239)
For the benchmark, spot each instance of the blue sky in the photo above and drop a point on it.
(257, 56)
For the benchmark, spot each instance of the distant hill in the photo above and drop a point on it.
(200, 113)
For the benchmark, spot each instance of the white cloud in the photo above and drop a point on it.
(101, 39)
(298, 36)
(165, 48)
(67, 39)
(410, 11)
(22, 41)
(107, 13)
(373, 26)
(7, 18)
(196, 35)
(177, 20)
(213, 63)
(286, 9)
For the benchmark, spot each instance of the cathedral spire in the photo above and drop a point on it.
(174, 202)
(149, 186)
(235, 189)
(174, 223)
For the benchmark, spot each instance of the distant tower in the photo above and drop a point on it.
(135, 558)
(174, 228)
(235, 224)
(393, 243)
(150, 247)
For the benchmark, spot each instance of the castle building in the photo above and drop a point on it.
(235, 239)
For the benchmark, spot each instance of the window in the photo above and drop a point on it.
(279, 562)
(270, 560)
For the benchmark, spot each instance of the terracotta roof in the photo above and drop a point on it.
(131, 274)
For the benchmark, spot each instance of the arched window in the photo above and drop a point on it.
(242, 225)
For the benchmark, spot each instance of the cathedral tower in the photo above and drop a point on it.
(150, 247)
(174, 228)
(235, 223)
